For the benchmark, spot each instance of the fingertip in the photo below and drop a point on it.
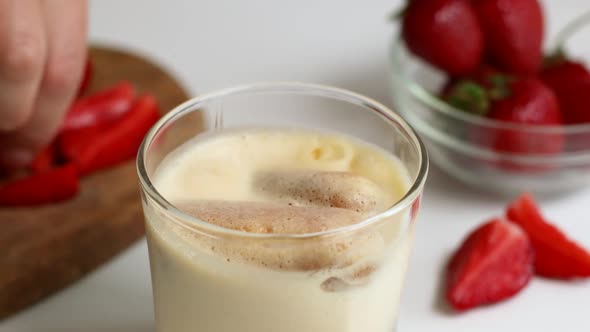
(63, 73)
(15, 120)
(22, 58)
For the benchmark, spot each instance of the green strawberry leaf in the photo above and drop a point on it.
(470, 97)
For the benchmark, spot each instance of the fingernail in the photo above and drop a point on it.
(16, 157)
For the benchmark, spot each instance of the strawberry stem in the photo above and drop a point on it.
(398, 14)
(558, 56)
(570, 29)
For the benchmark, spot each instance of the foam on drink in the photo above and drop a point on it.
(281, 182)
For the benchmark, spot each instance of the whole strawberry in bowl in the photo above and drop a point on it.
(516, 102)
(433, 28)
(518, 119)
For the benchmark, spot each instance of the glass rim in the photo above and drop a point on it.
(444, 108)
(309, 89)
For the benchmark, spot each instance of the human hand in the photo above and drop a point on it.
(42, 57)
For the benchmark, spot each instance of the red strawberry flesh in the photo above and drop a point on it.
(493, 264)
(556, 255)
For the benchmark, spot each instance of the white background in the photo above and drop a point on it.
(212, 44)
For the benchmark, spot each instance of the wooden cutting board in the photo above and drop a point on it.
(45, 249)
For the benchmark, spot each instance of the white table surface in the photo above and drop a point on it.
(213, 44)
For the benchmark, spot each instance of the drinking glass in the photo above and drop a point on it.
(196, 289)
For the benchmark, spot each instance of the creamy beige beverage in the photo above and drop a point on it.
(277, 185)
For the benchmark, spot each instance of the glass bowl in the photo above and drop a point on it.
(480, 151)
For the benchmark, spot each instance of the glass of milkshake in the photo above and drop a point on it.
(280, 207)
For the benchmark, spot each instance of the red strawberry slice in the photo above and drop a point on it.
(570, 81)
(556, 255)
(444, 33)
(493, 264)
(513, 33)
(117, 144)
(45, 159)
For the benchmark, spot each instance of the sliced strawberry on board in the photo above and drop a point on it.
(52, 186)
(444, 33)
(556, 255)
(44, 160)
(100, 107)
(93, 149)
(493, 264)
(71, 143)
(513, 32)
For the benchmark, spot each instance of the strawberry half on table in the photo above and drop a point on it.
(445, 33)
(494, 263)
(557, 256)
